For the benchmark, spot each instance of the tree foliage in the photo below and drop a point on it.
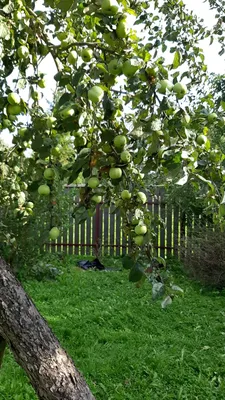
(127, 76)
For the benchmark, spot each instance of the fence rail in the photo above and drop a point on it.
(102, 233)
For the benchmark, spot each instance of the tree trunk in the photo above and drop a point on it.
(51, 371)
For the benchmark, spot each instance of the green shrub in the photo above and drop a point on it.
(203, 256)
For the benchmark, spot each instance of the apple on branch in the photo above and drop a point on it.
(110, 7)
(95, 94)
(180, 89)
(115, 67)
(164, 85)
(122, 29)
(86, 55)
(130, 67)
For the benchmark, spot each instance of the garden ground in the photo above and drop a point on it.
(126, 346)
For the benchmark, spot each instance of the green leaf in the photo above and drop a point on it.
(176, 60)
(128, 262)
(64, 5)
(136, 273)
(65, 98)
(4, 30)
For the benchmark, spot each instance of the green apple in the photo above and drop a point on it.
(180, 90)
(80, 141)
(93, 182)
(134, 221)
(120, 141)
(115, 173)
(6, 123)
(140, 229)
(115, 67)
(30, 204)
(49, 173)
(54, 233)
(126, 195)
(22, 131)
(165, 85)
(72, 57)
(67, 112)
(23, 52)
(12, 117)
(110, 39)
(95, 94)
(125, 156)
(130, 67)
(212, 117)
(96, 198)
(106, 148)
(44, 190)
(110, 7)
(36, 95)
(14, 110)
(41, 83)
(139, 240)
(91, 212)
(13, 99)
(86, 55)
(122, 29)
(141, 197)
(201, 139)
(50, 122)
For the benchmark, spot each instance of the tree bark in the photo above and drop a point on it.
(51, 371)
(2, 349)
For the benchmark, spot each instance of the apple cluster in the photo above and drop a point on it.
(44, 190)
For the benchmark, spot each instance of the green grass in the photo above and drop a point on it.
(126, 346)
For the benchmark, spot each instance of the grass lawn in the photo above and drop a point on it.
(126, 346)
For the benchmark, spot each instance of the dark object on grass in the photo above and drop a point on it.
(96, 265)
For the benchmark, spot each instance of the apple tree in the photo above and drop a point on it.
(126, 78)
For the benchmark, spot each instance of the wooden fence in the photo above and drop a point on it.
(102, 233)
